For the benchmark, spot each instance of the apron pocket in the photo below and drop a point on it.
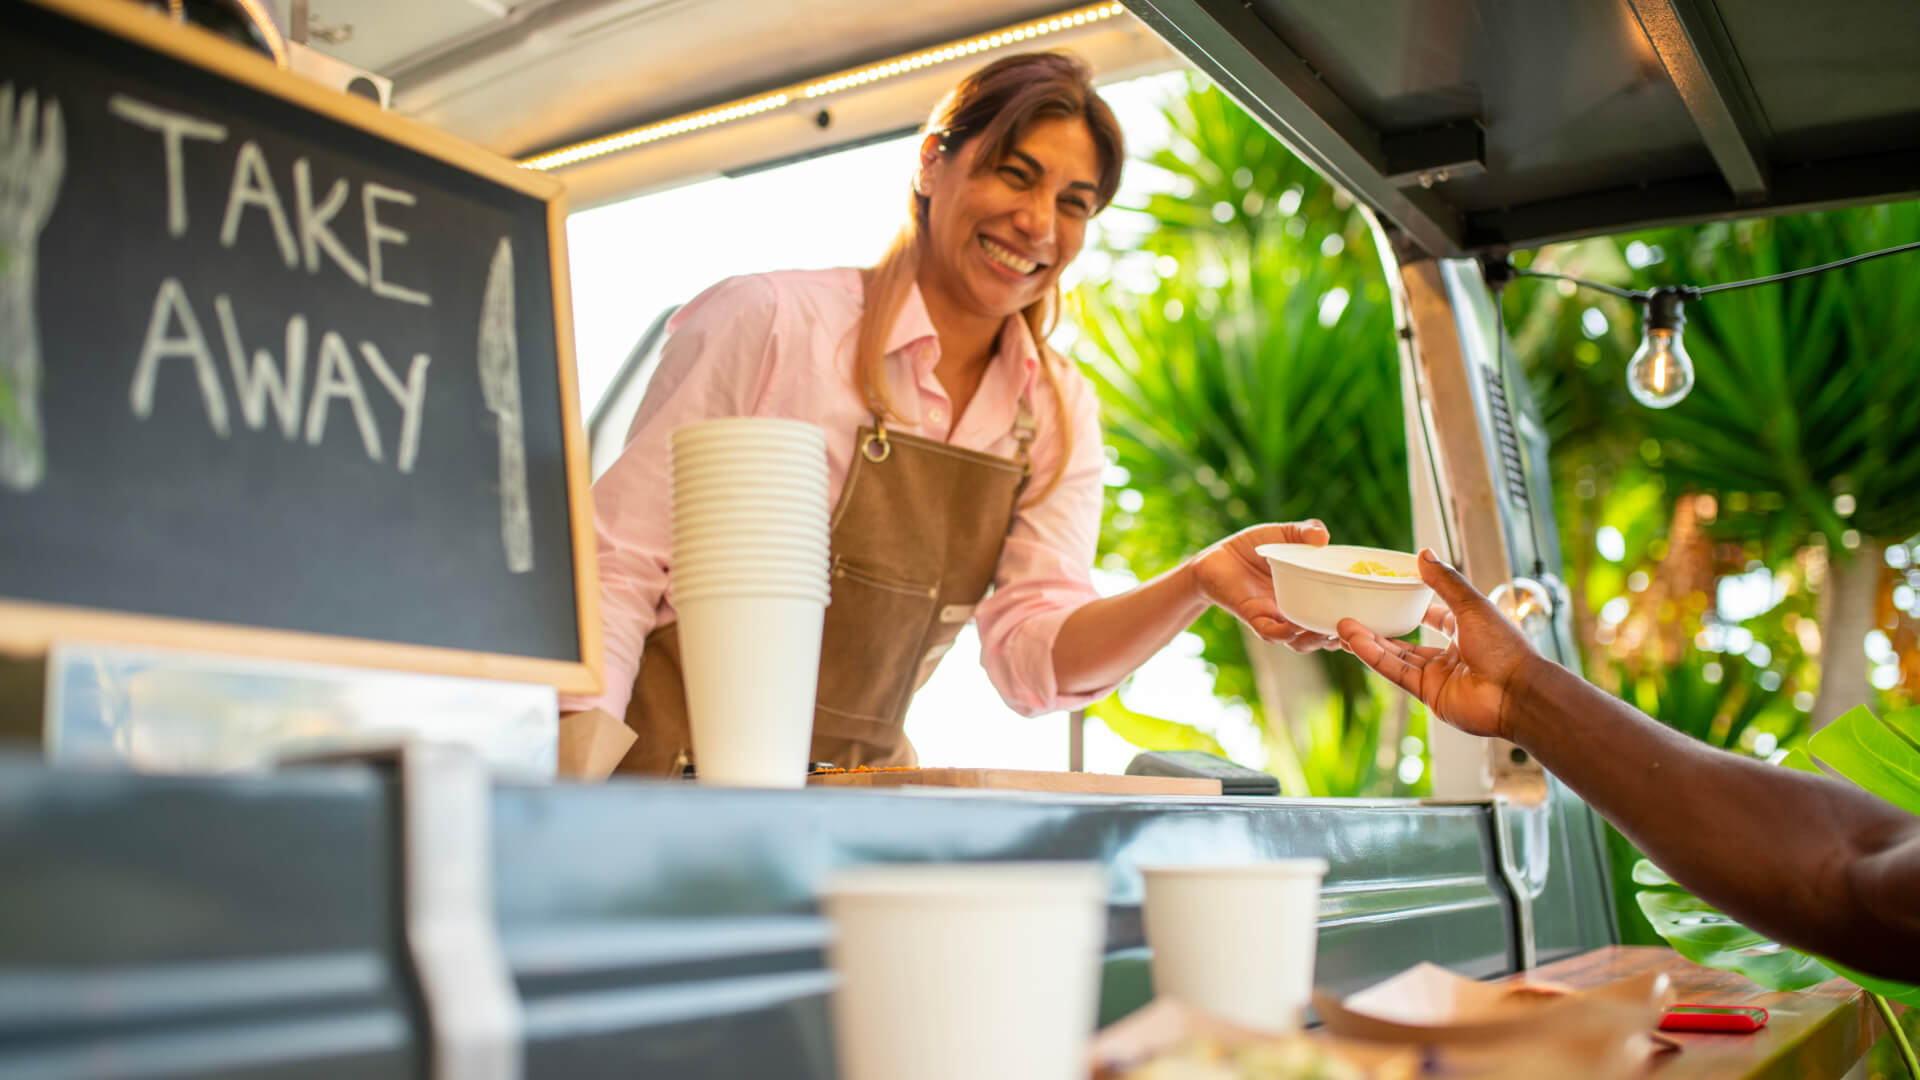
(872, 642)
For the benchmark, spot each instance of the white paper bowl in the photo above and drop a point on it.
(1313, 588)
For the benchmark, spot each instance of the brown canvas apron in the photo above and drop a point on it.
(915, 540)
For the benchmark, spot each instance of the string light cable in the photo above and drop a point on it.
(1660, 373)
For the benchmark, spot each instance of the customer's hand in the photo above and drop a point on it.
(1467, 683)
(1236, 577)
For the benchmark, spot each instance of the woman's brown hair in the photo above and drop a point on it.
(994, 105)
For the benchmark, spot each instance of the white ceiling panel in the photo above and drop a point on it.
(546, 74)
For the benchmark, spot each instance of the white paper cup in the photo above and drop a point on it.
(787, 455)
(757, 527)
(754, 465)
(695, 594)
(809, 577)
(736, 548)
(1237, 941)
(767, 520)
(812, 586)
(750, 451)
(747, 491)
(723, 428)
(750, 664)
(797, 566)
(810, 570)
(733, 544)
(966, 972)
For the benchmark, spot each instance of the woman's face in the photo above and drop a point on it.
(998, 237)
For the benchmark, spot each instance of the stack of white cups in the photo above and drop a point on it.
(749, 581)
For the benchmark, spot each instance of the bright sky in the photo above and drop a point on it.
(632, 259)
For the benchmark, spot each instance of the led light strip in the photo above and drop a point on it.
(642, 136)
(844, 81)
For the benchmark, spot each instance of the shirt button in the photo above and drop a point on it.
(934, 415)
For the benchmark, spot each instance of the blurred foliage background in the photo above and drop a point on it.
(1743, 566)
(1245, 359)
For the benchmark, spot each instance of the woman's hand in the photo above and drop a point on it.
(1236, 577)
(1467, 683)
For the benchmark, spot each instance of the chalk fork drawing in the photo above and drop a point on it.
(500, 385)
(33, 160)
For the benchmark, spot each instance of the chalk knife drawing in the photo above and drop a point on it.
(33, 160)
(500, 385)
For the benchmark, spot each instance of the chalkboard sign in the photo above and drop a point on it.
(280, 373)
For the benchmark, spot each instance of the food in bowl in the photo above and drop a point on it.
(1317, 586)
(1375, 569)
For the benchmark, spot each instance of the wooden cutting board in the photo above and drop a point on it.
(1023, 780)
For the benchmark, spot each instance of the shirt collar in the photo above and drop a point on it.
(913, 325)
(1016, 345)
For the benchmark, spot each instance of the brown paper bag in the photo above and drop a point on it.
(592, 744)
(1164, 1025)
(1499, 1031)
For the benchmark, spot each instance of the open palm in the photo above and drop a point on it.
(1465, 684)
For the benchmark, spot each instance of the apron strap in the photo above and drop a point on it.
(1023, 428)
(876, 448)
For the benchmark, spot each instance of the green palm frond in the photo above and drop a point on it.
(1806, 389)
(1258, 382)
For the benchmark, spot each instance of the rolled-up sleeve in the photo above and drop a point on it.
(1045, 571)
(713, 363)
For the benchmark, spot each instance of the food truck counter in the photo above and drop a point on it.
(644, 924)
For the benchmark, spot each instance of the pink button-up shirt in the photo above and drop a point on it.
(781, 345)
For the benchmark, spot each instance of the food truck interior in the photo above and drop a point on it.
(260, 924)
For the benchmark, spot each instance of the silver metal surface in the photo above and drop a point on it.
(279, 925)
(1594, 119)
(473, 1013)
(473, 1010)
(165, 710)
(1225, 39)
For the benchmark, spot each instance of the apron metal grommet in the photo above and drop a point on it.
(873, 440)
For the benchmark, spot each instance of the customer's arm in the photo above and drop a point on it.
(1812, 861)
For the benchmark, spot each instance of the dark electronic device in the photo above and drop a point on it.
(1733, 1018)
(1234, 779)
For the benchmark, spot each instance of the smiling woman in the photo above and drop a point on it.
(963, 453)
(1022, 154)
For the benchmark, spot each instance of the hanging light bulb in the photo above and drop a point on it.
(1527, 604)
(1661, 372)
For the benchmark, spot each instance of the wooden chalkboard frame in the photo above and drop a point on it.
(29, 628)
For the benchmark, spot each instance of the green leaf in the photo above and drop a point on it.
(1797, 759)
(1904, 993)
(1905, 722)
(1860, 747)
(1151, 732)
(1645, 873)
(1699, 932)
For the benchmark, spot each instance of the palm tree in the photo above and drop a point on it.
(1805, 419)
(1258, 382)
(1804, 416)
